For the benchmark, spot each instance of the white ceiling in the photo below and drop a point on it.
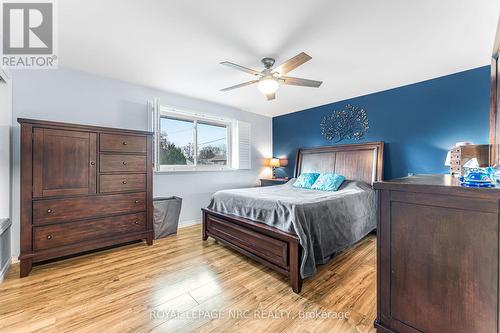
(358, 46)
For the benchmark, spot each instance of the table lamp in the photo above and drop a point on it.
(274, 163)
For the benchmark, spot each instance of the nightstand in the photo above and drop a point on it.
(271, 182)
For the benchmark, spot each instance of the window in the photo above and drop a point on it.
(192, 141)
(176, 142)
(212, 144)
(189, 141)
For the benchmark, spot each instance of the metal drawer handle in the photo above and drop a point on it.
(124, 182)
(136, 222)
(124, 143)
(124, 163)
(49, 210)
(92, 163)
(49, 237)
(136, 201)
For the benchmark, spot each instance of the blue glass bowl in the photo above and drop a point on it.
(477, 177)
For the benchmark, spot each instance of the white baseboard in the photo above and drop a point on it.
(4, 270)
(188, 223)
(14, 260)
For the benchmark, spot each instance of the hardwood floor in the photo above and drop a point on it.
(183, 284)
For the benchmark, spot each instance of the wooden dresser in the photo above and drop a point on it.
(82, 188)
(437, 256)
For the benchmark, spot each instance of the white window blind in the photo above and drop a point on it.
(243, 153)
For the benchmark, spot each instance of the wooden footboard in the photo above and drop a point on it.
(273, 248)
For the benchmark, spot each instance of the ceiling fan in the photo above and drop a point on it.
(269, 79)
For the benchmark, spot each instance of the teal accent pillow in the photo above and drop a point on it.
(306, 180)
(328, 182)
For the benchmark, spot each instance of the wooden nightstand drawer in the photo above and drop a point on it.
(271, 182)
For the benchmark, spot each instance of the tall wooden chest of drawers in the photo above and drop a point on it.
(82, 188)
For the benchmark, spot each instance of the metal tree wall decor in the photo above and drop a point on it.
(349, 123)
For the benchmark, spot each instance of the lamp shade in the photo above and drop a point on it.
(274, 162)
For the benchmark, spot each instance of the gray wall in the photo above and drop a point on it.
(73, 96)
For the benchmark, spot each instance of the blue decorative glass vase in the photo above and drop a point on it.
(477, 178)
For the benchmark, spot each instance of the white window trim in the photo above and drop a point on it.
(185, 114)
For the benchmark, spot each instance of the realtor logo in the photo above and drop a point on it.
(28, 31)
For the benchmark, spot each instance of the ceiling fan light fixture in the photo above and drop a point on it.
(268, 85)
(269, 79)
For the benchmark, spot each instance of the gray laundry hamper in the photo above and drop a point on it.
(166, 216)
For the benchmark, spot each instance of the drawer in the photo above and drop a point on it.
(268, 248)
(122, 183)
(61, 210)
(272, 182)
(122, 163)
(123, 143)
(56, 235)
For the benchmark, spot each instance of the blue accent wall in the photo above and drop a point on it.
(418, 122)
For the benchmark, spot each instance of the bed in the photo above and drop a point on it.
(292, 230)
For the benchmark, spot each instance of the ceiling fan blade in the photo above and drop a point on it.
(271, 96)
(293, 63)
(240, 85)
(241, 68)
(295, 81)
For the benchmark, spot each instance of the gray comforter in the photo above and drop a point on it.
(325, 222)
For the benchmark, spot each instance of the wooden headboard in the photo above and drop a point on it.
(363, 161)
